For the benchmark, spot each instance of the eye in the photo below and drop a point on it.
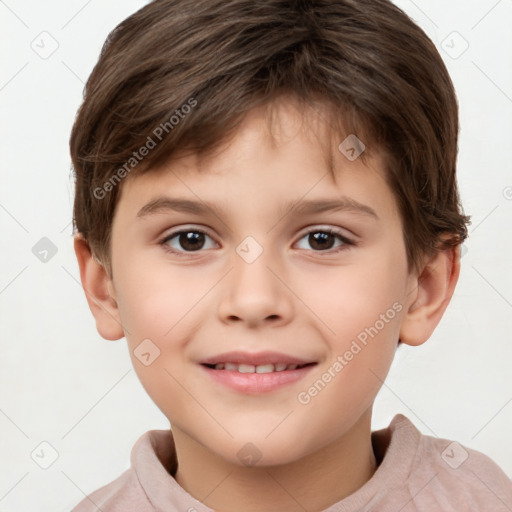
(321, 240)
(190, 240)
(187, 241)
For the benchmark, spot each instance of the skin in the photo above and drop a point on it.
(294, 298)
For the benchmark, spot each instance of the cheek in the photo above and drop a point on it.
(155, 300)
(351, 298)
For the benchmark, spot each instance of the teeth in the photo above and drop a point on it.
(250, 368)
(265, 368)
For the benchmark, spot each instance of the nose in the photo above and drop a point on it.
(256, 293)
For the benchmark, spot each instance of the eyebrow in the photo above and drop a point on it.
(164, 204)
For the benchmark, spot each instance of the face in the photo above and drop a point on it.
(328, 287)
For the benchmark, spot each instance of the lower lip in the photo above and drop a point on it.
(256, 383)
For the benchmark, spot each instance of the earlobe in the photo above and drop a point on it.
(99, 291)
(430, 295)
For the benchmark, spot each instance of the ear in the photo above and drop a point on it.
(99, 291)
(431, 293)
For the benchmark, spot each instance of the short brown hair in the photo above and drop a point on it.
(380, 75)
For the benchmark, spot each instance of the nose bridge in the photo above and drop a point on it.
(254, 293)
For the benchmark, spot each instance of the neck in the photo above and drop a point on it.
(314, 482)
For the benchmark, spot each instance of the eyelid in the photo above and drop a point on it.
(305, 231)
(184, 229)
(327, 228)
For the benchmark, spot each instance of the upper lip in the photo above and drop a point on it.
(256, 358)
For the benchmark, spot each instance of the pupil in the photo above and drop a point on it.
(189, 240)
(321, 240)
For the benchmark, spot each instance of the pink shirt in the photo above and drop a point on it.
(417, 473)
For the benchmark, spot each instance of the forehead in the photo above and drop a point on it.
(280, 149)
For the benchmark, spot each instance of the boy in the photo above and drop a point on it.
(259, 132)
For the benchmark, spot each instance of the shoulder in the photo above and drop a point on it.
(449, 474)
(126, 493)
(121, 495)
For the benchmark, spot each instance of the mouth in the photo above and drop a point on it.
(256, 373)
(253, 373)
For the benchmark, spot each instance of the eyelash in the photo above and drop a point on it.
(347, 243)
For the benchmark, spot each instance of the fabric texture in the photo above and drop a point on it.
(417, 473)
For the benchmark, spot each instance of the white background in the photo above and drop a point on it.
(61, 383)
